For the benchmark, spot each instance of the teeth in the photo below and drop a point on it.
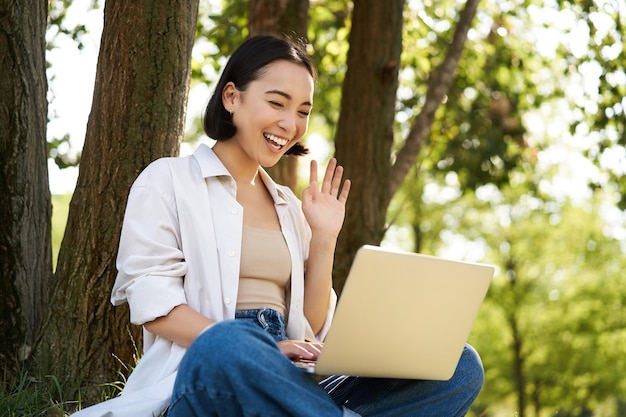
(278, 141)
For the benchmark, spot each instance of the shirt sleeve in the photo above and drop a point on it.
(150, 262)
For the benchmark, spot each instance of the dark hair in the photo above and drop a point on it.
(244, 66)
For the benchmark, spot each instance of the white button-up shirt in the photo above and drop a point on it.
(180, 244)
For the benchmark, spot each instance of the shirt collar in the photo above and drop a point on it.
(212, 166)
(276, 191)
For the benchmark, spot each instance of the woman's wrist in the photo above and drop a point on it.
(324, 240)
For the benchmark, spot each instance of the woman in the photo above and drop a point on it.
(230, 274)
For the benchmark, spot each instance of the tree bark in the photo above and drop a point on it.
(280, 18)
(518, 365)
(25, 236)
(137, 116)
(365, 128)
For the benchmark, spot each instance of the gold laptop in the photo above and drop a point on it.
(403, 315)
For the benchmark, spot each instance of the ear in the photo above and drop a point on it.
(229, 95)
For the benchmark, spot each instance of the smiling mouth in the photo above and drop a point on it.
(274, 141)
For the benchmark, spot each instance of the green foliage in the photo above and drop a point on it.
(221, 28)
(57, 12)
(554, 275)
(58, 151)
(603, 115)
(329, 28)
(557, 292)
(481, 136)
(224, 29)
(562, 295)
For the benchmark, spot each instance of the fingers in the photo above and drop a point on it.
(343, 197)
(297, 349)
(332, 178)
(313, 174)
(331, 184)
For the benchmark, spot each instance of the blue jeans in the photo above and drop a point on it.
(235, 369)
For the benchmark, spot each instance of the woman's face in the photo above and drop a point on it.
(272, 114)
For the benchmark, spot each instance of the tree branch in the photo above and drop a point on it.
(438, 86)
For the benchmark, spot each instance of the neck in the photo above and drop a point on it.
(240, 167)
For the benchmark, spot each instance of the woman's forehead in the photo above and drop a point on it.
(288, 77)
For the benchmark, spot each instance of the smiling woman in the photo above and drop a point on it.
(188, 254)
(275, 107)
(239, 72)
(230, 274)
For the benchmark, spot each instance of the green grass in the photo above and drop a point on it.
(28, 396)
(24, 394)
(60, 209)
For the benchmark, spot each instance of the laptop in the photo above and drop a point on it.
(403, 315)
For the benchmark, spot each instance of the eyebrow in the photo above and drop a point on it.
(287, 96)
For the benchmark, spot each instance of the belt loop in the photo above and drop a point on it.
(261, 317)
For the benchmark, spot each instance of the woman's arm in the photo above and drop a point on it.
(324, 211)
(181, 325)
(318, 280)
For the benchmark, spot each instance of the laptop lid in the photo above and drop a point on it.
(403, 315)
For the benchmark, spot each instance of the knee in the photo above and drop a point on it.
(209, 365)
(470, 369)
(227, 343)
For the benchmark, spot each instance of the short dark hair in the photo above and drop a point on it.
(244, 66)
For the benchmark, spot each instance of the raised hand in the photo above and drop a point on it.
(325, 207)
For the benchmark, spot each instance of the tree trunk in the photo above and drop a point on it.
(518, 365)
(25, 242)
(280, 17)
(138, 115)
(365, 129)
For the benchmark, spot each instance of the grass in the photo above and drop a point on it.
(60, 209)
(27, 396)
(24, 394)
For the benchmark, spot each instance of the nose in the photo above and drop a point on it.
(288, 123)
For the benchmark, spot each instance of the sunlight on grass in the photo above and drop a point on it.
(60, 208)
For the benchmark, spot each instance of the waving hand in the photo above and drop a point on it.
(324, 208)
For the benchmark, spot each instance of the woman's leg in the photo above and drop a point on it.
(235, 369)
(411, 398)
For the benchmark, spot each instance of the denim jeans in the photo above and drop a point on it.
(235, 369)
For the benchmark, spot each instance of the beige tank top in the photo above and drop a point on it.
(265, 270)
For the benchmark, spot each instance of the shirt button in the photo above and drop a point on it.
(231, 253)
(226, 300)
(234, 211)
